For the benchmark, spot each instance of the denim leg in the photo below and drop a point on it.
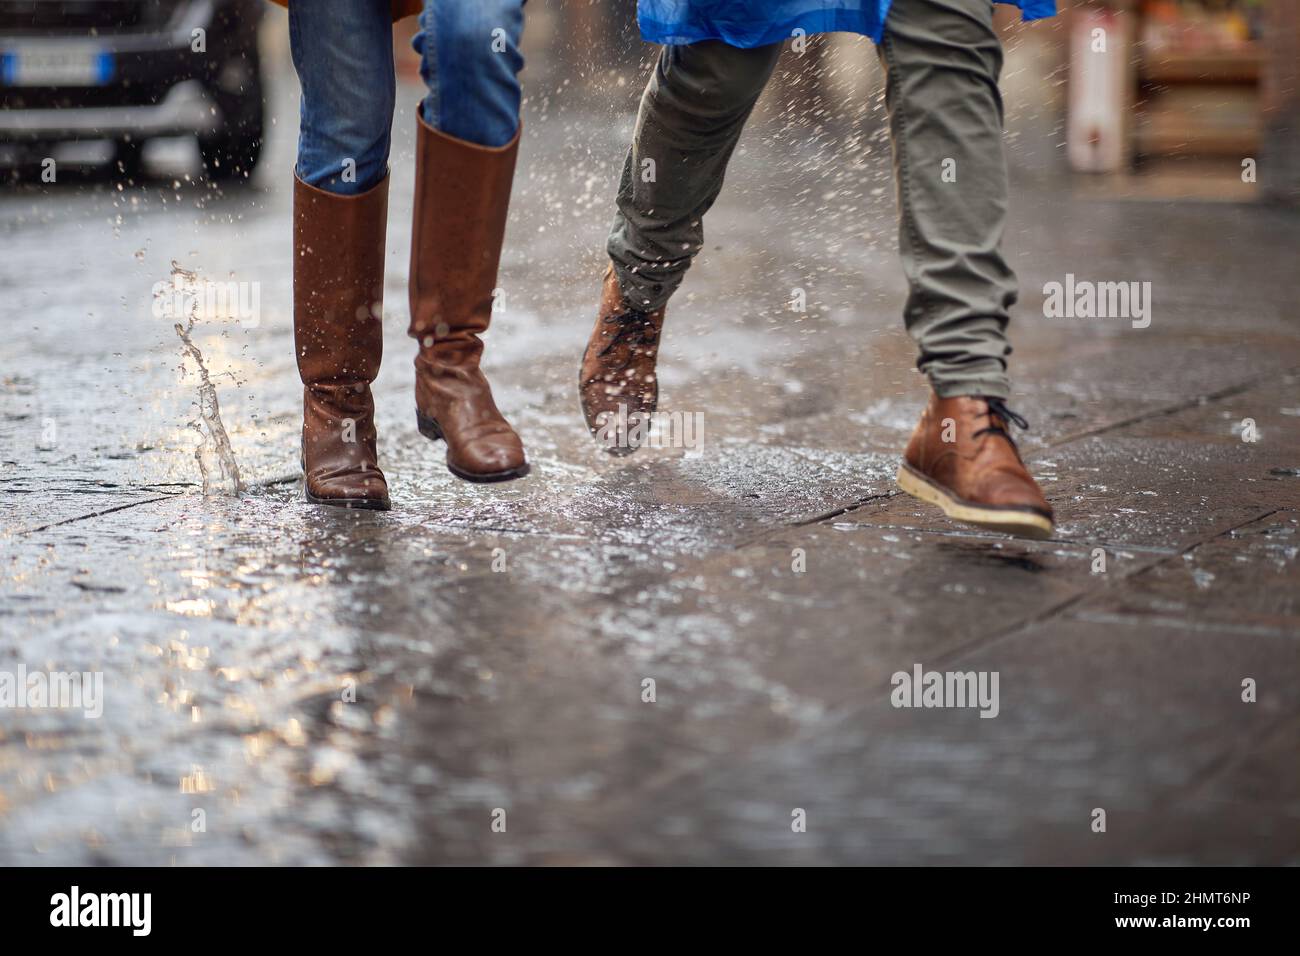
(470, 61)
(343, 52)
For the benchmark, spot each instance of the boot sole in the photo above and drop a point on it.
(1021, 522)
(431, 430)
(350, 504)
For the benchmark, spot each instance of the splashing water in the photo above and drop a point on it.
(217, 465)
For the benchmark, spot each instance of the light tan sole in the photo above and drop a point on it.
(1022, 524)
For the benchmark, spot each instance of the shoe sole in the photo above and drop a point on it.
(1021, 522)
(431, 430)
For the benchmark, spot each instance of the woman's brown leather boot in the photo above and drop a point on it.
(462, 193)
(338, 299)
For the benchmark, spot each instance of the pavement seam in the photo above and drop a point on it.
(96, 514)
(1210, 627)
(1226, 392)
(264, 483)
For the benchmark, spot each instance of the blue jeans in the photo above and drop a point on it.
(343, 52)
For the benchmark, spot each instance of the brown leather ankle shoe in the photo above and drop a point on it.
(462, 192)
(338, 296)
(618, 369)
(961, 458)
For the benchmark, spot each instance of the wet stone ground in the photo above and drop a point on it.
(285, 684)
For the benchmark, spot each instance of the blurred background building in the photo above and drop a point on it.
(1160, 98)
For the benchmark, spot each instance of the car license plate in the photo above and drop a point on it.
(61, 65)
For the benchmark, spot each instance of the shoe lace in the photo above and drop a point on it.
(635, 329)
(997, 414)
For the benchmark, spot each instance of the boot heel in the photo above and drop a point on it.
(428, 427)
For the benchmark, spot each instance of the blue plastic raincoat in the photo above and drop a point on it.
(748, 23)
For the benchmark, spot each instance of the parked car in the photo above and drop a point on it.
(130, 70)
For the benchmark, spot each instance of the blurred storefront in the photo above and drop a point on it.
(1197, 94)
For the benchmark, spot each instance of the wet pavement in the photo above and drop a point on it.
(463, 679)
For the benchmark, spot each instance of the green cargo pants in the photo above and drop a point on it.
(942, 59)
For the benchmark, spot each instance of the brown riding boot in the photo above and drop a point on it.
(338, 299)
(961, 458)
(462, 192)
(617, 383)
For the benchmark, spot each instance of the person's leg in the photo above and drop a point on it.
(942, 59)
(343, 52)
(467, 141)
(470, 61)
(692, 114)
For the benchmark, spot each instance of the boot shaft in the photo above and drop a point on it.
(338, 283)
(462, 196)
